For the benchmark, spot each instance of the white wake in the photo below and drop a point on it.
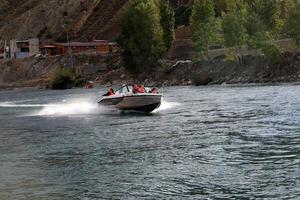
(57, 109)
(72, 107)
(75, 108)
(165, 105)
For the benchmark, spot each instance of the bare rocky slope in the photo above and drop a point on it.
(83, 19)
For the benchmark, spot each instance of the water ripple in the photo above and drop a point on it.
(228, 142)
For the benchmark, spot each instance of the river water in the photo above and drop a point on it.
(215, 142)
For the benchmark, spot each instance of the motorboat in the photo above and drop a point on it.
(125, 99)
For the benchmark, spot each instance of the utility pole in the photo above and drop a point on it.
(66, 22)
(70, 50)
(4, 52)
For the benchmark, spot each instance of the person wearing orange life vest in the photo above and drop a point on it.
(141, 89)
(135, 88)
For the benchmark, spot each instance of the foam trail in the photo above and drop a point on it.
(165, 105)
(78, 107)
(68, 108)
(13, 105)
(75, 108)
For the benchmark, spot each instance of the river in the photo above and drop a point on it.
(214, 142)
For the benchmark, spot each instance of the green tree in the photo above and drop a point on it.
(255, 29)
(285, 7)
(234, 31)
(167, 22)
(141, 37)
(269, 14)
(202, 25)
(292, 27)
(262, 25)
(253, 24)
(203, 10)
(264, 41)
(224, 6)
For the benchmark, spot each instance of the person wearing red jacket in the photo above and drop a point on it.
(135, 88)
(141, 89)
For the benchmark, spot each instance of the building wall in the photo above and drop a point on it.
(103, 49)
(21, 55)
(1, 53)
(16, 46)
(13, 48)
(2, 49)
(34, 46)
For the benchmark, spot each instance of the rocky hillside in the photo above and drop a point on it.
(36, 72)
(83, 19)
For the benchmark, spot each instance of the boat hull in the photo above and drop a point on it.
(136, 102)
(146, 108)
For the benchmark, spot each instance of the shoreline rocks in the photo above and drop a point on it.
(251, 69)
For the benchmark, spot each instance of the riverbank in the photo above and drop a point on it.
(248, 69)
(37, 72)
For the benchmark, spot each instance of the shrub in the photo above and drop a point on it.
(272, 52)
(269, 14)
(62, 79)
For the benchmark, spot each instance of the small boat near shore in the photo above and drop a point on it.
(125, 99)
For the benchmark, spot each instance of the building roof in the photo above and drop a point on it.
(83, 44)
(99, 40)
(22, 41)
(48, 46)
(113, 43)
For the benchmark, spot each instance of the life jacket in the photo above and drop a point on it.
(141, 90)
(135, 90)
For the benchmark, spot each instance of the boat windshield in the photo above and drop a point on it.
(124, 89)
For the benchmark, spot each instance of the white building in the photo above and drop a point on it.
(24, 48)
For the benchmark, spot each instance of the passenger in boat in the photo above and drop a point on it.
(135, 88)
(141, 89)
(109, 92)
(153, 90)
